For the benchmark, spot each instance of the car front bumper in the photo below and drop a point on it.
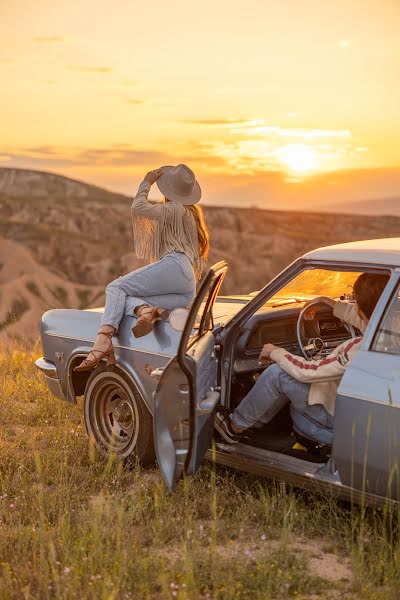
(51, 376)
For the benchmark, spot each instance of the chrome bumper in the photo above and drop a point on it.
(51, 376)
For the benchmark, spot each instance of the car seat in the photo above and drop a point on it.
(309, 430)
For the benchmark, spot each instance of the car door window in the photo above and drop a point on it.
(204, 320)
(387, 336)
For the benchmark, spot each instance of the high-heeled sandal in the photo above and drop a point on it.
(148, 316)
(89, 365)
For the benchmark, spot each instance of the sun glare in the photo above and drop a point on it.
(299, 158)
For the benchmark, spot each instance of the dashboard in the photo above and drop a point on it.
(279, 328)
(283, 331)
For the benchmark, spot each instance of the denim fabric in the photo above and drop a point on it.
(272, 390)
(169, 283)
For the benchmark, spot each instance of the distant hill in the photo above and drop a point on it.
(373, 206)
(62, 241)
(41, 184)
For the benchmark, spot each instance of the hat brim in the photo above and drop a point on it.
(163, 186)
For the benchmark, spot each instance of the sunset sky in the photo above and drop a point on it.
(262, 98)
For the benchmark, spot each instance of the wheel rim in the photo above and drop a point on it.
(113, 417)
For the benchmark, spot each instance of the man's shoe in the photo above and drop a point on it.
(222, 424)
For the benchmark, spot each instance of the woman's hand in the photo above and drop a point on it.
(152, 176)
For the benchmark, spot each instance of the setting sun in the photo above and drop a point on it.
(299, 158)
(79, 99)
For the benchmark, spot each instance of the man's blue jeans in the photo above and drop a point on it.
(272, 390)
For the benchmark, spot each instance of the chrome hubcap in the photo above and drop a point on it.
(113, 417)
(123, 414)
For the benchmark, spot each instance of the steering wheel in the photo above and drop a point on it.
(314, 343)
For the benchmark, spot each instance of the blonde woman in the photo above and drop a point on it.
(173, 236)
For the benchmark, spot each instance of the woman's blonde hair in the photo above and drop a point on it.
(202, 230)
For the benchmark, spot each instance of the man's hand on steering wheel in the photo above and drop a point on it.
(309, 314)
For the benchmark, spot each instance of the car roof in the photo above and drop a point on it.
(384, 251)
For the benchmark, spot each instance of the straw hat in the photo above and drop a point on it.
(179, 183)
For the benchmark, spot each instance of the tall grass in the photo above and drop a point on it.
(73, 525)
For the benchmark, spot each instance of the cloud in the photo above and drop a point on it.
(221, 122)
(118, 155)
(87, 69)
(48, 40)
(135, 101)
(259, 127)
(42, 150)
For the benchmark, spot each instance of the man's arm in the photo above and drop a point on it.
(347, 312)
(308, 371)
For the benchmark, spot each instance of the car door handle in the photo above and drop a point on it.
(207, 404)
(156, 374)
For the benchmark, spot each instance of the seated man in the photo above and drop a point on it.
(309, 385)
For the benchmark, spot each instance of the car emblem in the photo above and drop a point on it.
(60, 356)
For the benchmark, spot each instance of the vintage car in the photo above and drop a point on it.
(160, 398)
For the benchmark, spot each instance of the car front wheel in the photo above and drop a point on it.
(116, 417)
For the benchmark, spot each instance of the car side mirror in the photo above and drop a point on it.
(178, 318)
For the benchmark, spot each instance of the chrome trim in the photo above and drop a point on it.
(305, 476)
(367, 399)
(156, 374)
(68, 337)
(47, 367)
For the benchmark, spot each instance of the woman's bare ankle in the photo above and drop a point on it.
(138, 309)
(107, 329)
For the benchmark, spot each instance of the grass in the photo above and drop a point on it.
(73, 525)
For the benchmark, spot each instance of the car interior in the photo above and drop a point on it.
(276, 322)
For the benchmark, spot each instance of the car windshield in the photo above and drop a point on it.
(315, 282)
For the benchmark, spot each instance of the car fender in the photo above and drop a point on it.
(76, 382)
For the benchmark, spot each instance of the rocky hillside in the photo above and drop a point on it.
(59, 234)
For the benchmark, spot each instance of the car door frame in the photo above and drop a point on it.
(230, 331)
(359, 412)
(177, 431)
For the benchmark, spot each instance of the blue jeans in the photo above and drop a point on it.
(169, 283)
(272, 390)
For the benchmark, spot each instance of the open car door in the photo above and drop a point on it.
(187, 392)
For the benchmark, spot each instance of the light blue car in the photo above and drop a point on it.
(160, 398)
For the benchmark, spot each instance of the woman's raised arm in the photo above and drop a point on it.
(141, 205)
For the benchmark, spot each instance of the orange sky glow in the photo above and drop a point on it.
(261, 98)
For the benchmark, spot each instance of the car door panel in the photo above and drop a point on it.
(207, 397)
(366, 446)
(187, 393)
(171, 425)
